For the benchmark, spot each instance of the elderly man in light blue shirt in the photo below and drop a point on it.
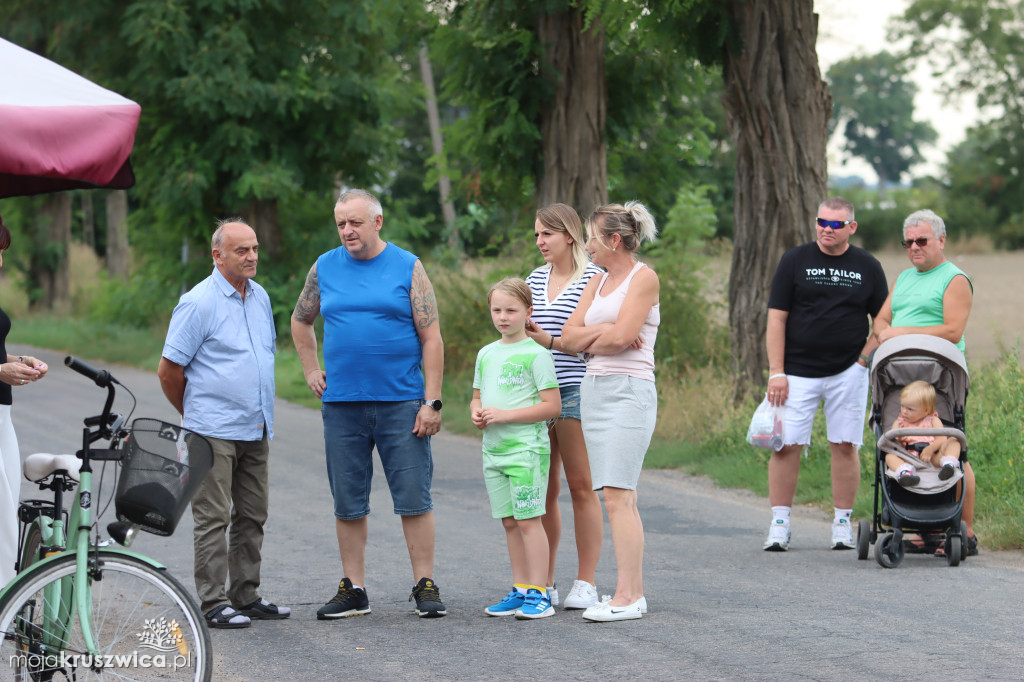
(217, 370)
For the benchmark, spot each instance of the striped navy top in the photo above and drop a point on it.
(552, 315)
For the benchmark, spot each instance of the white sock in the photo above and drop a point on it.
(949, 460)
(842, 515)
(905, 467)
(781, 513)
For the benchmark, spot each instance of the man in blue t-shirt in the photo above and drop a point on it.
(818, 340)
(385, 359)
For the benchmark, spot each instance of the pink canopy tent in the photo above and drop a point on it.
(59, 131)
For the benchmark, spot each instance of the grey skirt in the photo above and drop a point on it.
(618, 414)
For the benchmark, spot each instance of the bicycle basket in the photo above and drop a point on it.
(162, 468)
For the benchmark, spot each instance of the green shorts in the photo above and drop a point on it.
(517, 484)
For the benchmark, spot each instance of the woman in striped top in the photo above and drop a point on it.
(556, 289)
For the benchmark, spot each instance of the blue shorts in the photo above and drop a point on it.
(351, 430)
(570, 403)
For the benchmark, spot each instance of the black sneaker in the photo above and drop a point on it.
(350, 601)
(428, 599)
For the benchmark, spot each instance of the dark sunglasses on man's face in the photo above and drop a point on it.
(920, 241)
(833, 224)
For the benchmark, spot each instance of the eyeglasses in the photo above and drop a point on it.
(833, 224)
(920, 241)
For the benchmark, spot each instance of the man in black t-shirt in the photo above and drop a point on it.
(818, 341)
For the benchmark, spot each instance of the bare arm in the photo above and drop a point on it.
(883, 320)
(172, 381)
(640, 298)
(956, 308)
(549, 407)
(428, 328)
(775, 340)
(307, 308)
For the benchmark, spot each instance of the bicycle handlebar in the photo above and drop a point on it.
(102, 377)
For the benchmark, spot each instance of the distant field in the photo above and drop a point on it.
(997, 316)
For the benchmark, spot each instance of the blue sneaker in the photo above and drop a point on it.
(507, 606)
(536, 605)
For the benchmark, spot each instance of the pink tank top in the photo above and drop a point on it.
(925, 423)
(632, 362)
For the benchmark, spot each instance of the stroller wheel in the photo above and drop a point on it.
(888, 553)
(863, 539)
(954, 547)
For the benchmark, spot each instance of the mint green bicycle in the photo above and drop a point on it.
(82, 609)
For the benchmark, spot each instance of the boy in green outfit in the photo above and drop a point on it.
(515, 390)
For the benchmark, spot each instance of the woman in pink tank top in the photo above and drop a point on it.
(616, 325)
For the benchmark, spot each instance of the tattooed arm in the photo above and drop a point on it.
(428, 328)
(304, 336)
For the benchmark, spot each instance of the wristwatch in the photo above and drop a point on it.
(436, 404)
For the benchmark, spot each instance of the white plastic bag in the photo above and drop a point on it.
(767, 426)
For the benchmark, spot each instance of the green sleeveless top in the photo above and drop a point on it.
(917, 296)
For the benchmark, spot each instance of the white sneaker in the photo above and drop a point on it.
(553, 595)
(642, 601)
(842, 534)
(778, 537)
(604, 612)
(583, 595)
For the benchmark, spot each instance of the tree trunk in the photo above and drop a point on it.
(262, 216)
(117, 234)
(778, 109)
(573, 127)
(882, 182)
(88, 221)
(444, 183)
(49, 269)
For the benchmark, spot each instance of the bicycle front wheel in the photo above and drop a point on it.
(144, 624)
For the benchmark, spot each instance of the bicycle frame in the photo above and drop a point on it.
(71, 597)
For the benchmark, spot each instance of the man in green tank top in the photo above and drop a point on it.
(932, 297)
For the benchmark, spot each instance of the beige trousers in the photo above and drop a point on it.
(229, 511)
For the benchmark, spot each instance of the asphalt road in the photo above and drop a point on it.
(720, 607)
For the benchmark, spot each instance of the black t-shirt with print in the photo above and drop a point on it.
(828, 299)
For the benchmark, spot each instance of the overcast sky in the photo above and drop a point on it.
(848, 29)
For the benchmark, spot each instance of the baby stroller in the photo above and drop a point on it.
(933, 505)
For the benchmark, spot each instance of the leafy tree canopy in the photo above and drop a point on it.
(873, 104)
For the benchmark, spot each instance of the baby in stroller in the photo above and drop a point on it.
(917, 411)
(931, 505)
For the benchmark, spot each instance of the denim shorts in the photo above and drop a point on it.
(351, 431)
(570, 403)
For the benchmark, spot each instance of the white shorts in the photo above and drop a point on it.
(846, 404)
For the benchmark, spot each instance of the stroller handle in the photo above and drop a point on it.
(887, 441)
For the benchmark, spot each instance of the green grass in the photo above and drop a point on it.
(89, 339)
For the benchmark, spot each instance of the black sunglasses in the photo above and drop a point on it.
(833, 224)
(920, 241)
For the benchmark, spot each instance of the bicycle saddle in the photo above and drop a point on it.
(39, 465)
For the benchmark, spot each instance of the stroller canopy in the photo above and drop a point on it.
(911, 357)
